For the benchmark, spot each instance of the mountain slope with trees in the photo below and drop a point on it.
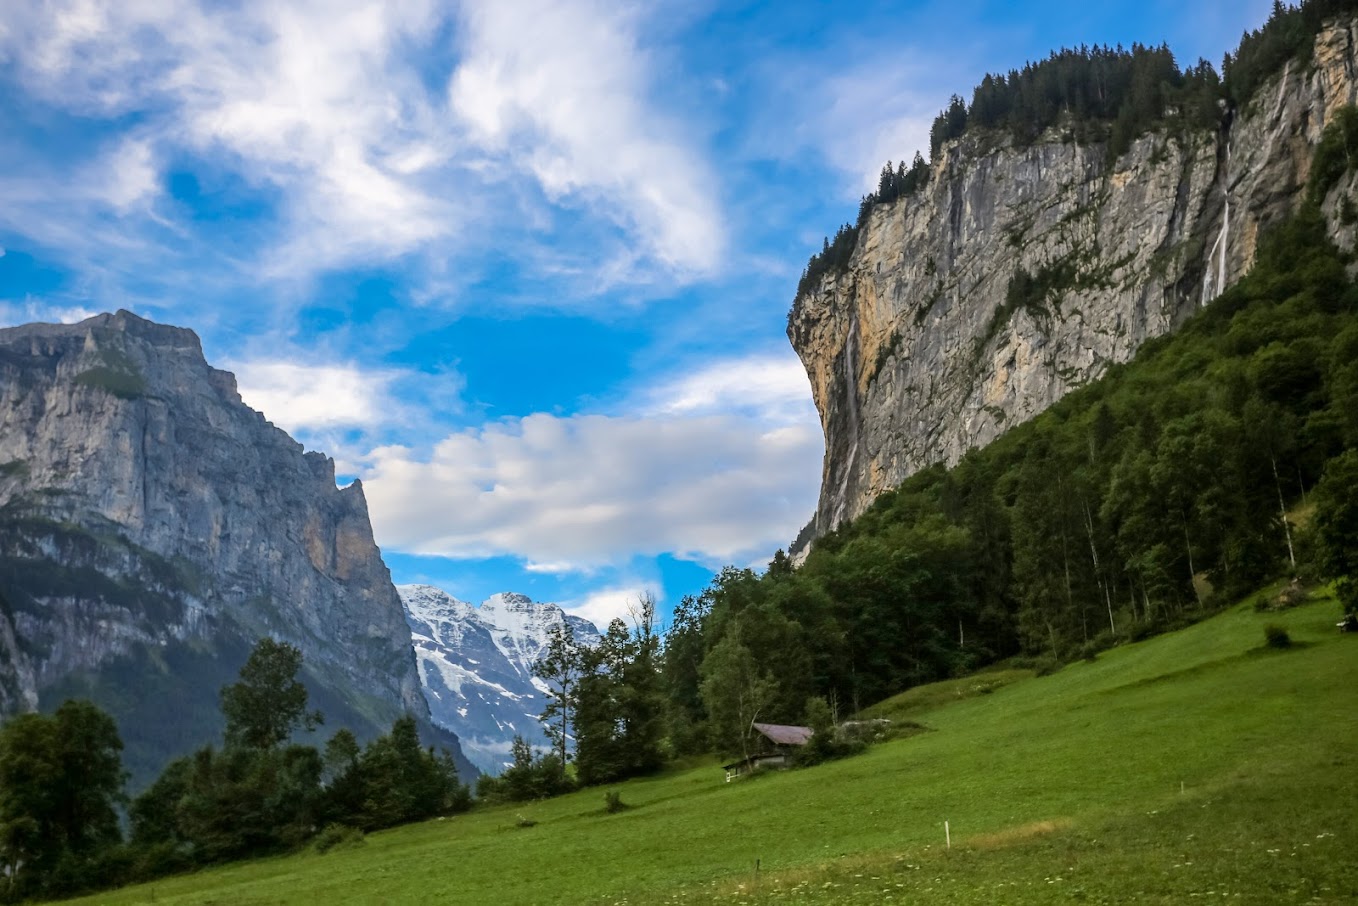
(1139, 502)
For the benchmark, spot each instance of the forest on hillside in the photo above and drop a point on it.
(1223, 457)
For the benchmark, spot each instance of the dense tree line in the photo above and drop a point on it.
(1099, 94)
(1289, 34)
(61, 783)
(1138, 502)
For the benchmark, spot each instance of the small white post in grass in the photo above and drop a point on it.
(947, 834)
(1181, 787)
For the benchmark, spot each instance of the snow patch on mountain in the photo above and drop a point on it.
(476, 665)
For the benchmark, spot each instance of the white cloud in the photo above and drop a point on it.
(771, 387)
(617, 602)
(28, 311)
(593, 490)
(880, 111)
(558, 86)
(300, 397)
(127, 177)
(329, 109)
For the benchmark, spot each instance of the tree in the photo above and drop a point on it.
(560, 668)
(529, 776)
(735, 692)
(61, 778)
(643, 705)
(268, 703)
(1336, 525)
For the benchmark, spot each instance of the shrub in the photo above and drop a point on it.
(338, 836)
(1276, 636)
(613, 802)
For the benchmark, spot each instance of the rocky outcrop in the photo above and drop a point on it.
(920, 351)
(476, 666)
(152, 526)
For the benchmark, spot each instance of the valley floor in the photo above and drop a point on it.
(1194, 767)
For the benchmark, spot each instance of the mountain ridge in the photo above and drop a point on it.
(476, 665)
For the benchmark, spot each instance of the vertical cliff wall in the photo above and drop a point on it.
(152, 526)
(918, 352)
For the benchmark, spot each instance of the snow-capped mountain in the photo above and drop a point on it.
(476, 665)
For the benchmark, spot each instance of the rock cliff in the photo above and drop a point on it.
(917, 352)
(152, 526)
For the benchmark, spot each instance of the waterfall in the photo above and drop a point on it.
(1210, 289)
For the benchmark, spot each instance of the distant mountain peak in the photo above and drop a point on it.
(476, 665)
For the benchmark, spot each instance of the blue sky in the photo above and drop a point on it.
(523, 267)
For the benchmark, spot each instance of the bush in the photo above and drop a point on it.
(530, 777)
(613, 802)
(338, 836)
(1276, 636)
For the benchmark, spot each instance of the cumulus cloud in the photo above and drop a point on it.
(301, 398)
(617, 602)
(594, 490)
(773, 388)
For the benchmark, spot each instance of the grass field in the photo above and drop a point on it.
(1194, 767)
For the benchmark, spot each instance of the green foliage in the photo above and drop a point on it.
(269, 702)
(1289, 34)
(1336, 525)
(828, 741)
(561, 667)
(394, 780)
(1276, 636)
(338, 836)
(529, 777)
(834, 256)
(608, 697)
(61, 778)
(1097, 93)
(1335, 155)
(736, 692)
(613, 803)
(124, 385)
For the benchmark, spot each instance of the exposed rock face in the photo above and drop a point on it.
(152, 526)
(913, 355)
(476, 665)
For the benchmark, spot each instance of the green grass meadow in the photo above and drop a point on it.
(1194, 767)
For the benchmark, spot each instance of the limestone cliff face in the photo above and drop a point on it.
(153, 525)
(914, 356)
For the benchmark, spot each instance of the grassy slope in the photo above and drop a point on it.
(1194, 765)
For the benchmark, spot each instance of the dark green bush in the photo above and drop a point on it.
(1276, 636)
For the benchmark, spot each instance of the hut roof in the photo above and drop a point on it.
(784, 736)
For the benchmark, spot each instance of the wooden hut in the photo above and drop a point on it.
(778, 744)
